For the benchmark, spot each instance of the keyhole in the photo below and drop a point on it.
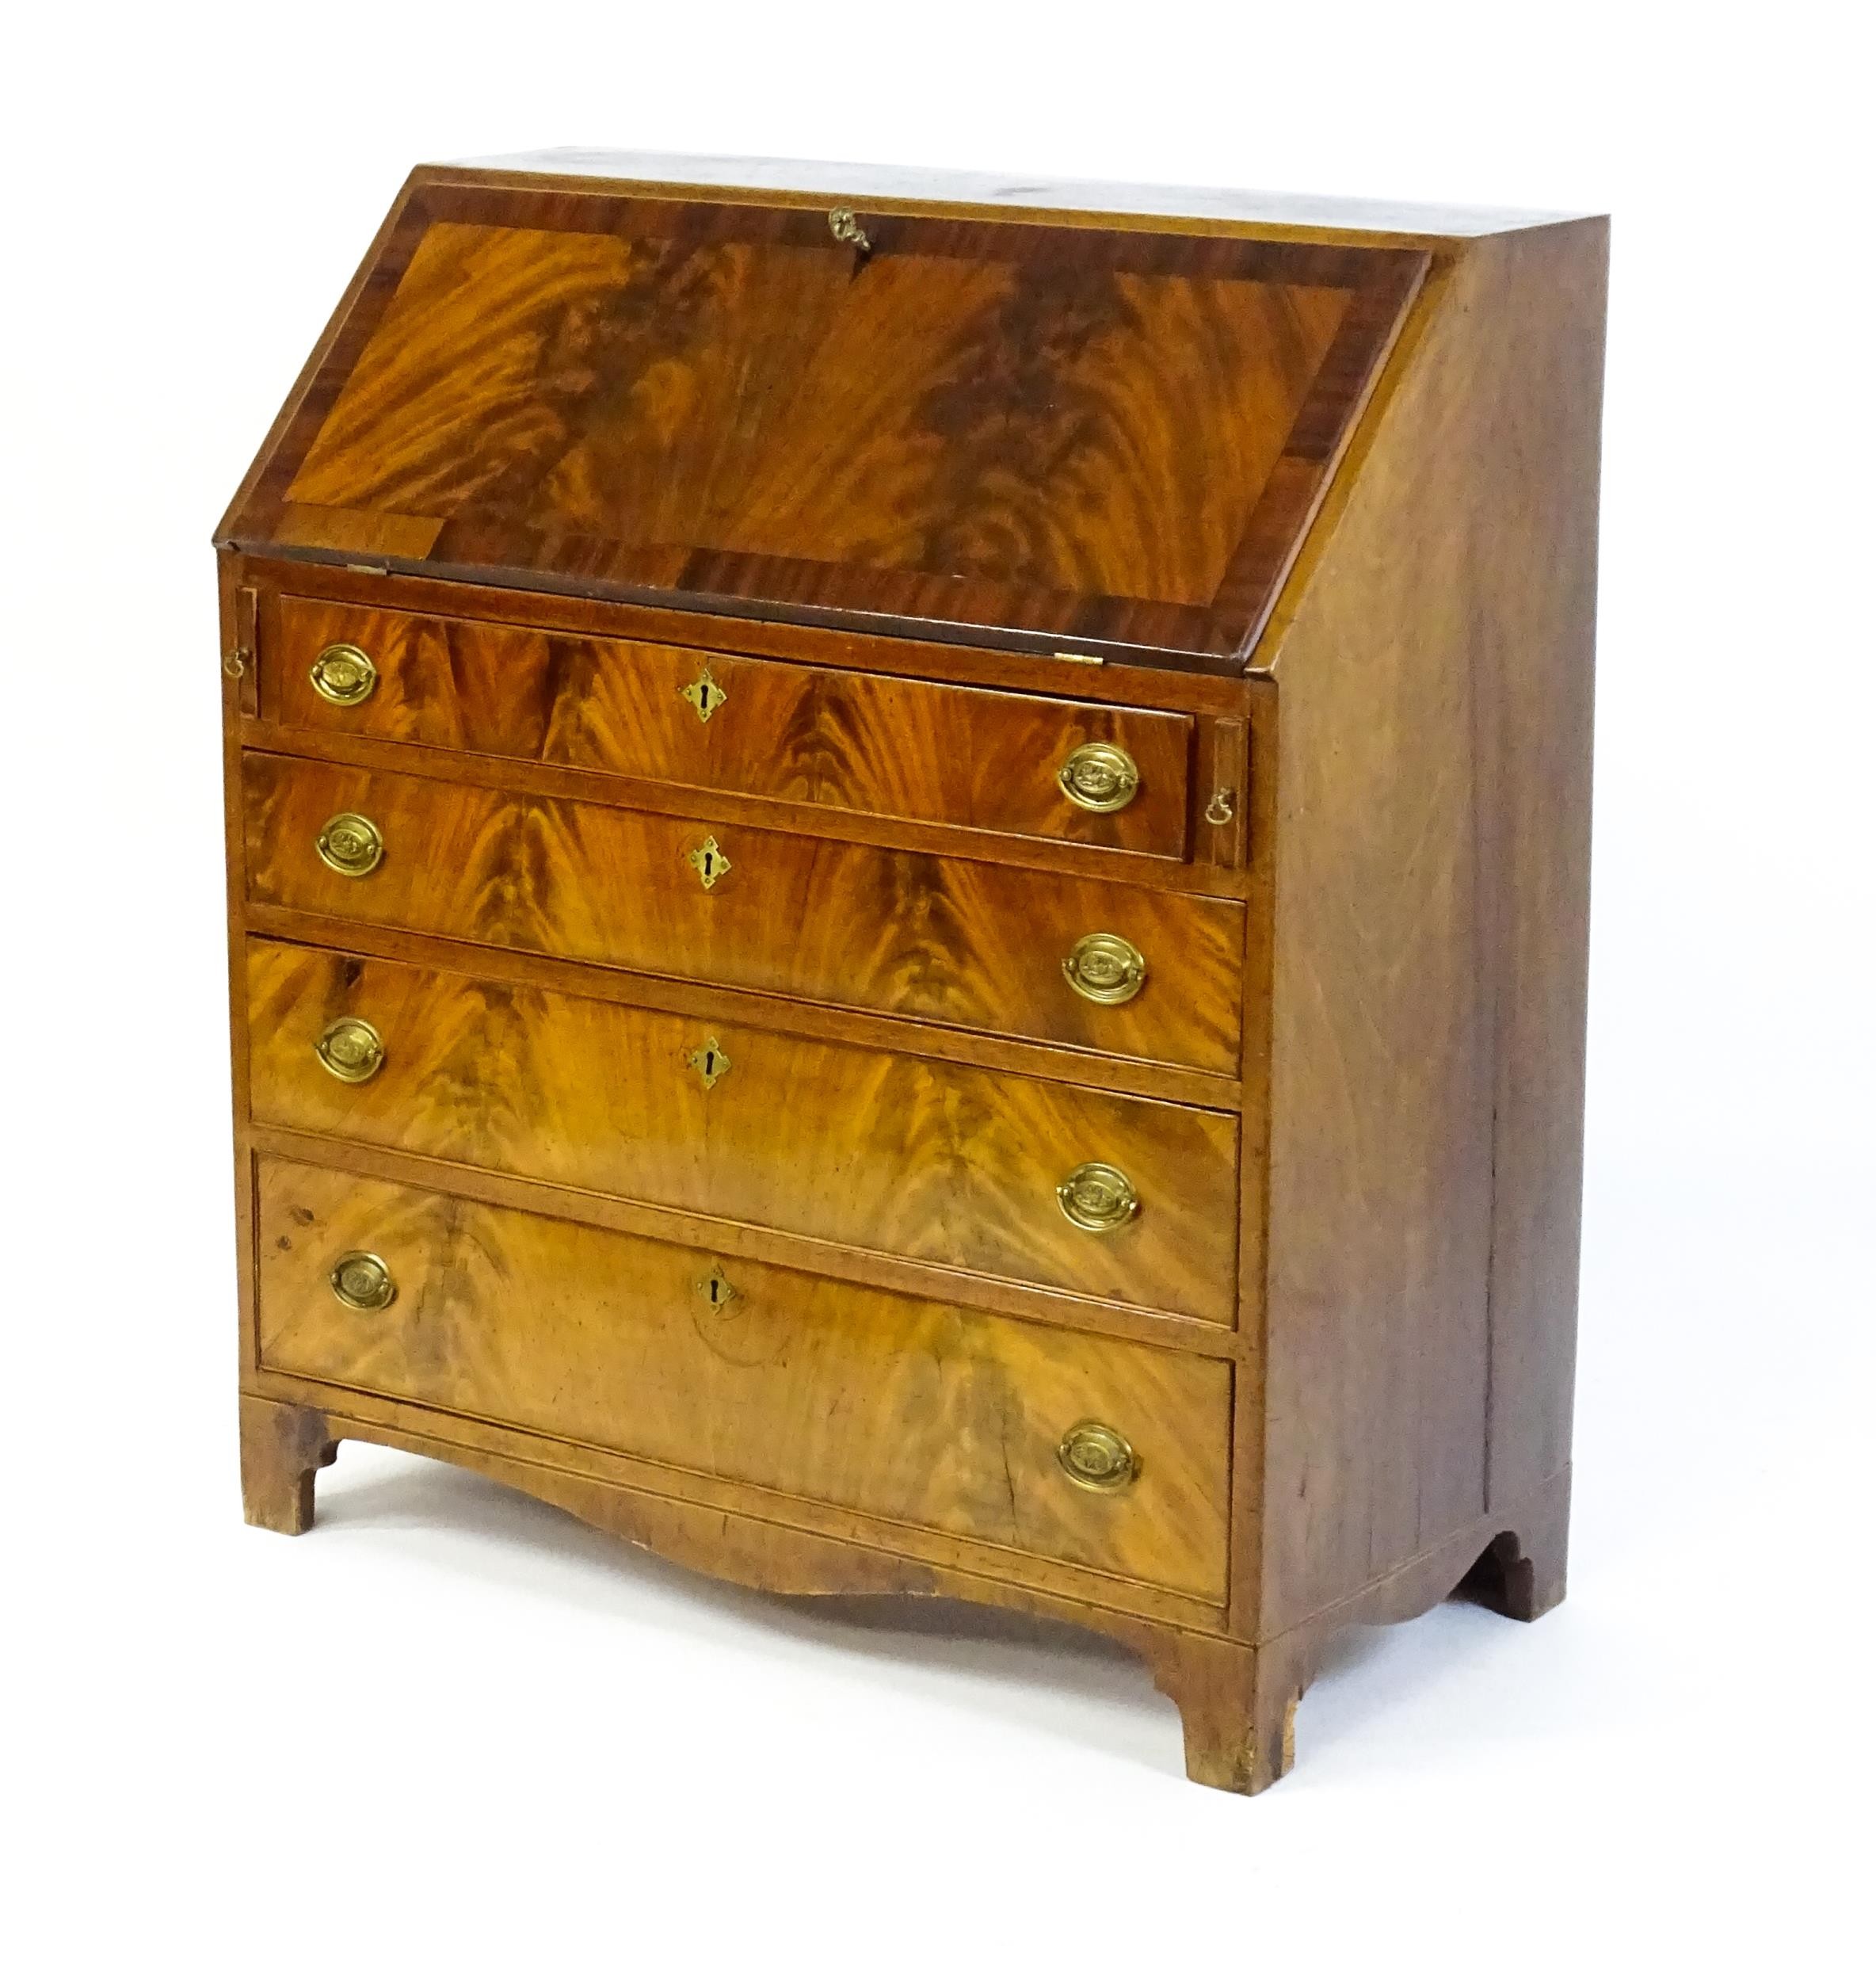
(709, 861)
(710, 1063)
(709, 696)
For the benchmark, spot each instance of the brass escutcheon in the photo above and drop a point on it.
(362, 1281)
(843, 224)
(717, 1289)
(344, 673)
(350, 844)
(706, 694)
(1100, 777)
(1097, 1457)
(350, 1050)
(710, 1063)
(1105, 969)
(1097, 1197)
(711, 861)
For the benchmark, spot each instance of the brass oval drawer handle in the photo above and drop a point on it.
(344, 673)
(350, 1050)
(1096, 1457)
(1105, 969)
(1097, 1197)
(1100, 777)
(363, 1282)
(350, 844)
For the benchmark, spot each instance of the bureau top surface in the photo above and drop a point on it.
(1042, 430)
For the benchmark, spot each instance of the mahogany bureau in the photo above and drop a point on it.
(908, 868)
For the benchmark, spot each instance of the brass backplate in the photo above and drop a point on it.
(717, 1289)
(706, 694)
(1096, 1197)
(710, 861)
(350, 844)
(350, 1050)
(710, 1063)
(344, 675)
(1097, 1458)
(1105, 969)
(362, 1281)
(1099, 776)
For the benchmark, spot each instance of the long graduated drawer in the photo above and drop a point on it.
(1080, 773)
(965, 942)
(914, 1412)
(1029, 1179)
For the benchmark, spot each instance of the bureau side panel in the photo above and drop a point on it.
(1536, 676)
(1433, 681)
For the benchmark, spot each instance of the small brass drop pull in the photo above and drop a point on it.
(718, 1290)
(711, 861)
(1100, 777)
(1105, 969)
(363, 1282)
(235, 662)
(351, 844)
(843, 224)
(350, 1050)
(1222, 808)
(1097, 1457)
(710, 1063)
(1097, 1197)
(344, 675)
(705, 694)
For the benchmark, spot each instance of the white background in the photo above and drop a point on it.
(452, 1732)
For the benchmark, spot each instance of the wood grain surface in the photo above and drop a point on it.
(731, 1065)
(910, 1411)
(949, 1164)
(808, 735)
(1426, 1101)
(814, 182)
(1004, 427)
(962, 942)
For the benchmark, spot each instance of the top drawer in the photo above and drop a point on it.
(1077, 773)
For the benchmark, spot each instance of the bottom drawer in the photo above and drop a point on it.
(933, 1416)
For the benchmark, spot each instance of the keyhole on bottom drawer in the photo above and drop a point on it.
(717, 1291)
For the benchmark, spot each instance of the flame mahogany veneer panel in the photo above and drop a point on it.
(1018, 430)
(905, 1409)
(856, 742)
(949, 1164)
(960, 941)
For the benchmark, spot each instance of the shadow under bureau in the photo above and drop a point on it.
(908, 878)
